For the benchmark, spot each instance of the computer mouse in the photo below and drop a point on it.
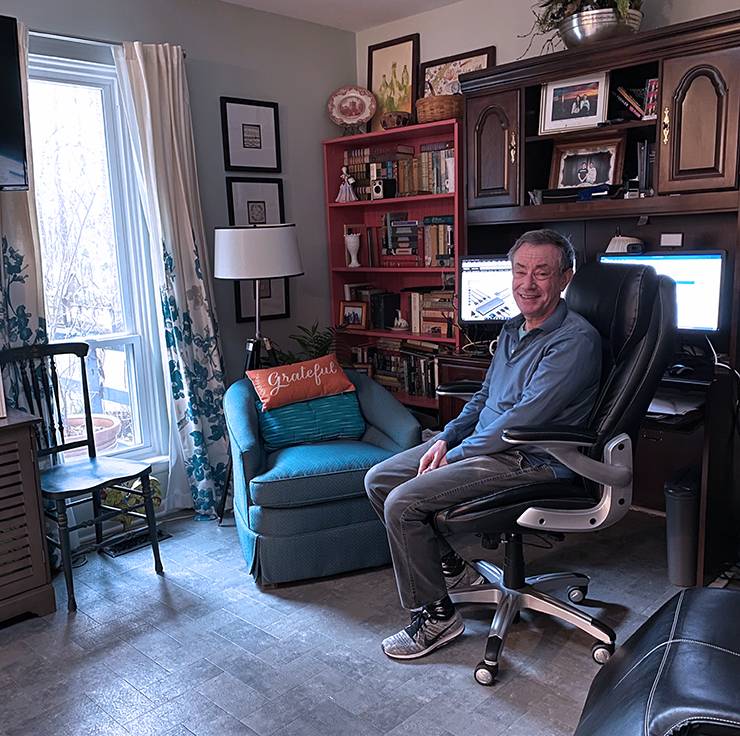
(678, 370)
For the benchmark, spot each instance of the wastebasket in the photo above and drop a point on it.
(682, 527)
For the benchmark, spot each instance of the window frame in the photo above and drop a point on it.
(139, 294)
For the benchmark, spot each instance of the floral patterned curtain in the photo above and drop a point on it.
(21, 288)
(155, 94)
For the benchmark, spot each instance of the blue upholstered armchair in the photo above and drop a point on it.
(301, 511)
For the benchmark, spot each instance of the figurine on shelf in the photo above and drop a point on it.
(346, 193)
(400, 323)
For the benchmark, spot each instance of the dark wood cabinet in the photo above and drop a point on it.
(458, 368)
(492, 135)
(698, 130)
(25, 585)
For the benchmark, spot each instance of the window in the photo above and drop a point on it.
(94, 254)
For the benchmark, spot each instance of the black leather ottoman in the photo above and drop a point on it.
(679, 673)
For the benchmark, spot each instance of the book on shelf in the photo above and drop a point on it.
(631, 100)
(652, 87)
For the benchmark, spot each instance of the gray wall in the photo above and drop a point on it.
(237, 52)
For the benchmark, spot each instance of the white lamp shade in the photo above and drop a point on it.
(260, 252)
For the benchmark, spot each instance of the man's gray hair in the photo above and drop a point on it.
(548, 237)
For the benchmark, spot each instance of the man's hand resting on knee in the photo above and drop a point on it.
(434, 457)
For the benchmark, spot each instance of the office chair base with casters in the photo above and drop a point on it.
(511, 593)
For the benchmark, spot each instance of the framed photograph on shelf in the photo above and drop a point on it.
(440, 76)
(573, 104)
(254, 201)
(392, 72)
(251, 135)
(587, 163)
(353, 315)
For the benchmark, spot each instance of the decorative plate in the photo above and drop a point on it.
(351, 105)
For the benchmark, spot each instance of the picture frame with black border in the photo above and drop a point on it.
(251, 135)
(246, 195)
(467, 61)
(381, 57)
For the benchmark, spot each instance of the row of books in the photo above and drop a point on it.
(429, 241)
(408, 366)
(641, 102)
(427, 310)
(431, 171)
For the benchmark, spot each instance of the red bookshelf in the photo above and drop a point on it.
(400, 276)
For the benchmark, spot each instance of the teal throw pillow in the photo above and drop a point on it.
(317, 420)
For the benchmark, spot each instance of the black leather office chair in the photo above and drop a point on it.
(634, 311)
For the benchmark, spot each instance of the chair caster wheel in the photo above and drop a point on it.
(485, 673)
(602, 652)
(577, 593)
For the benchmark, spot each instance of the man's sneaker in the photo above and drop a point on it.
(463, 579)
(425, 634)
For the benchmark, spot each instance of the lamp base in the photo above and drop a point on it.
(256, 349)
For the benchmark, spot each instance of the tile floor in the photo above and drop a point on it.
(204, 651)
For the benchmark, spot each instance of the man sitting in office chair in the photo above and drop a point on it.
(546, 370)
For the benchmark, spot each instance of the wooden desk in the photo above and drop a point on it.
(25, 581)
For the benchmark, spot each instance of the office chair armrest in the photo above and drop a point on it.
(550, 433)
(613, 473)
(461, 389)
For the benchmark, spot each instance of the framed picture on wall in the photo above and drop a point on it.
(251, 135)
(440, 76)
(570, 104)
(392, 72)
(253, 201)
(587, 163)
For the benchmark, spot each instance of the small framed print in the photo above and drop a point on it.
(440, 76)
(251, 135)
(587, 163)
(253, 201)
(353, 315)
(573, 104)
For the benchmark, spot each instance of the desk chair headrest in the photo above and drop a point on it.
(617, 300)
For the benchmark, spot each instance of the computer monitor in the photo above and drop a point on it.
(485, 290)
(698, 277)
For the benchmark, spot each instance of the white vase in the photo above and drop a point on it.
(352, 244)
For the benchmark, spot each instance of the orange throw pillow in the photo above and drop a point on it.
(309, 379)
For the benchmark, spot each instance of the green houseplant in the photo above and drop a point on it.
(313, 341)
(581, 22)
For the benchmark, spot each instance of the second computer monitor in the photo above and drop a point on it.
(485, 290)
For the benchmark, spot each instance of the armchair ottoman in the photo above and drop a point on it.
(301, 511)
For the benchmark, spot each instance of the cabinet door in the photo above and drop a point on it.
(492, 144)
(698, 131)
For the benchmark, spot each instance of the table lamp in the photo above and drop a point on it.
(256, 252)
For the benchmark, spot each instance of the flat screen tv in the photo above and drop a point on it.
(13, 170)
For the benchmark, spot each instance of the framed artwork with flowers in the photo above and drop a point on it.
(441, 76)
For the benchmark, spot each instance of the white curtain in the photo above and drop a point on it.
(157, 108)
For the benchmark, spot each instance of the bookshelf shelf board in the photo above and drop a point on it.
(396, 335)
(393, 269)
(393, 201)
(698, 203)
(604, 129)
(393, 134)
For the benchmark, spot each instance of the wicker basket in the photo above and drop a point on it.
(439, 107)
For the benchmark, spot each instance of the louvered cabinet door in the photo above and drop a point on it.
(24, 573)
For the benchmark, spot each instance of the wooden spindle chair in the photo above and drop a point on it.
(67, 483)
